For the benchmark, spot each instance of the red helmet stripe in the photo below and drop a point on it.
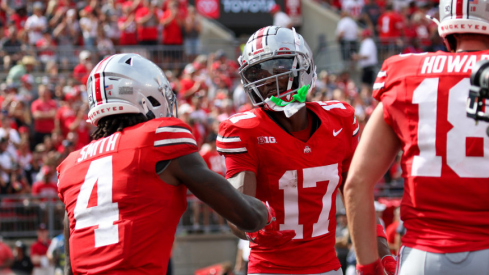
(99, 83)
(96, 89)
(259, 40)
(460, 8)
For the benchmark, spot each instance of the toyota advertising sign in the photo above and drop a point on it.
(246, 15)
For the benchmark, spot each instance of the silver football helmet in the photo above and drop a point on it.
(128, 83)
(272, 53)
(458, 16)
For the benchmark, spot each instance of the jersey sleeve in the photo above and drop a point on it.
(383, 89)
(169, 138)
(233, 144)
(355, 129)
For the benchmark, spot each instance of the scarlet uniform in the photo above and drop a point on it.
(445, 207)
(298, 179)
(390, 25)
(122, 216)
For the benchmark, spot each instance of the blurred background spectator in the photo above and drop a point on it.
(22, 264)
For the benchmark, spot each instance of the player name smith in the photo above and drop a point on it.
(437, 64)
(101, 146)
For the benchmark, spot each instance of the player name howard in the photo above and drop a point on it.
(440, 64)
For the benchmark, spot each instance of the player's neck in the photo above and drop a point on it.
(295, 123)
(471, 45)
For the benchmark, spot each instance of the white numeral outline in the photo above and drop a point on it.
(427, 163)
(313, 175)
(106, 212)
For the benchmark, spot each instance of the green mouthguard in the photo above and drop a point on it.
(299, 97)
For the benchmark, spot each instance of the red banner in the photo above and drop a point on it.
(208, 8)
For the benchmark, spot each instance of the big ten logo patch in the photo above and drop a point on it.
(264, 140)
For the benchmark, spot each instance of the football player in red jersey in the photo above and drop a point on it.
(125, 192)
(445, 207)
(291, 153)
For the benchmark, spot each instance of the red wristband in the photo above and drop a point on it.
(374, 268)
(381, 232)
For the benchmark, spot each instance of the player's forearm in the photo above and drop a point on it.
(238, 233)
(67, 269)
(361, 221)
(66, 232)
(383, 247)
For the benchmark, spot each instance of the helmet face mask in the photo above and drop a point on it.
(270, 78)
(275, 62)
(128, 83)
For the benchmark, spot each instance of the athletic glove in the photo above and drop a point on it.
(390, 263)
(374, 268)
(270, 236)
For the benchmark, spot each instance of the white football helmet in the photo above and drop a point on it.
(274, 52)
(462, 16)
(128, 83)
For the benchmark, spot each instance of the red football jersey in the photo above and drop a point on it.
(390, 25)
(122, 216)
(298, 179)
(445, 207)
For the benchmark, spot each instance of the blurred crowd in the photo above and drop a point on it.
(53, 30)
(43, 115)
(398, 26)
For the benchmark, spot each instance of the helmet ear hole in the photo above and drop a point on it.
(153, 101)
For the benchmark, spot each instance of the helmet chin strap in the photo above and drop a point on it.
(148, 113)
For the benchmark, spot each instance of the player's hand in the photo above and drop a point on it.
(389, 263)
(374, 268)
(270, 236)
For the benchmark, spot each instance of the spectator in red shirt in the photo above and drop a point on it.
(84, 67)
(6, 259)
(43, 111)
(212, 158)
(19, 18)
(147, 24)
(46, 47)
(45, 187)
(172, 33)
(39, 250)
(188, 85)
(71, 117)
(127, 26)
(172, 23)
(390, 25)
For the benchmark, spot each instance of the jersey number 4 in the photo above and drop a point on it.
(313, 175)
(106, 212)
(427, 163)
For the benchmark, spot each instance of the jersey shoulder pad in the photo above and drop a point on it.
(234, 131)
(168, 138)
(333, 107)
(172, 131)
(339, 110)
(396, 68)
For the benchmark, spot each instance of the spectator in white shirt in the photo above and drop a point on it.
(280, 18)
(36, 24)
(367, 58)
(347, 35)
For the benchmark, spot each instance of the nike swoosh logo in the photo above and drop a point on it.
(335, 133)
